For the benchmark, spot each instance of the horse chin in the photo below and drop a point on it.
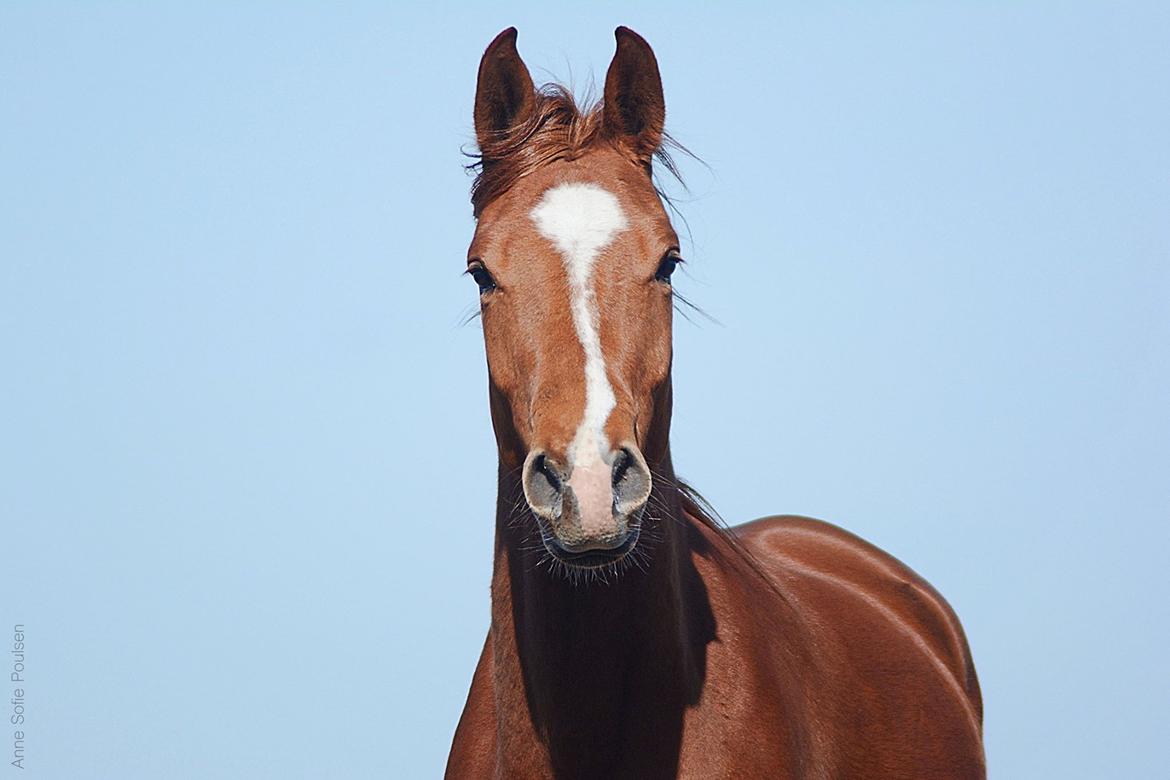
(593, 558)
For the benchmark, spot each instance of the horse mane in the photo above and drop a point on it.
(557, 129)
(699, 510)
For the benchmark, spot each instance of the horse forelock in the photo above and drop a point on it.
(557, 129)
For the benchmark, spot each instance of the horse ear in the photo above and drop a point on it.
(634, 111)
(504, 94)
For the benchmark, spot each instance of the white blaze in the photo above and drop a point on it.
(581, 220)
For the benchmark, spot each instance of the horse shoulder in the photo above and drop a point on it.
(900, 661)
(805, 553)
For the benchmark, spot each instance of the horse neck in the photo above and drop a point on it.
(582, 664)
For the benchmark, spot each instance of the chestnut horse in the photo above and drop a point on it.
(632, 636)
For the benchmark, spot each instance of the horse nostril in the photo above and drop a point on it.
(631, 480)
(543, 485)
(541, 464)
(621, 464)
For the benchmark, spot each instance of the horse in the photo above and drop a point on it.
(633, 635)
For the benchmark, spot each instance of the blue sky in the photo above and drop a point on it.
(235, 388)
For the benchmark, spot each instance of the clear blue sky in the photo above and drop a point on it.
(235, 391)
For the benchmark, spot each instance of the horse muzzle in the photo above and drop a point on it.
(589, 514)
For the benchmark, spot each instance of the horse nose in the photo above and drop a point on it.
(590, 505)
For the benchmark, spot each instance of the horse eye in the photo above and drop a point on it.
(667, 266)
(482, 278)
